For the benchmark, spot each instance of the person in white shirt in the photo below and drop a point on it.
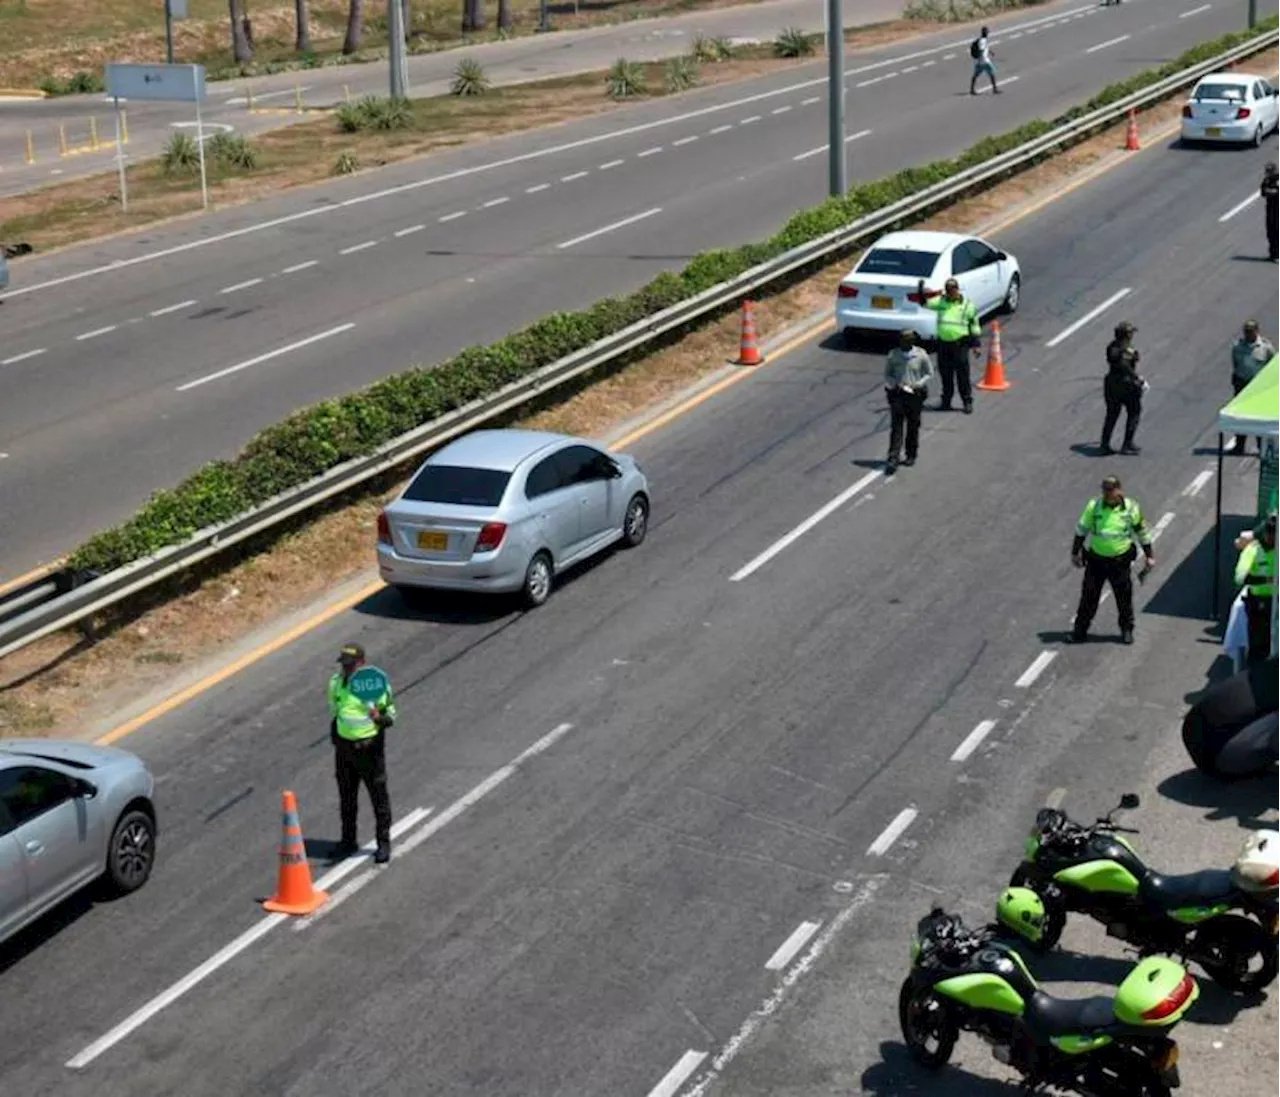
(980, 51)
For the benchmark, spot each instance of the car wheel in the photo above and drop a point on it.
(537, 580)
(1013, 296)
(1257, 137)
(635, 523)
(132, 852)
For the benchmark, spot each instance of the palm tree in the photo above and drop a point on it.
(241, 47)
(472, 16)
(355, 27)
(303, 16)
(504, 14)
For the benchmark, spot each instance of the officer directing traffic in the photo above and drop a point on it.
(1256, 575)
(1103, 546)
(959, 333)
(1122, 389)
(361, 707)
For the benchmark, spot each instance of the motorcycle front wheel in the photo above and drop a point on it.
(1237, 953)
(927, 1027)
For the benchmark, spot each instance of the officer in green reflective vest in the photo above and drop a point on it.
(360, 753)
(1256, 573)
(1104, 547)
(959, 334)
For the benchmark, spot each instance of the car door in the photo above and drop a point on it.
(587, 469)
(554, 507)
(55, 832)
(962, 271)
(13, 878)
(1265, 104)
(985, 274)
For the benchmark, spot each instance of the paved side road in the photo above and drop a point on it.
(518, 61)
(618, 809)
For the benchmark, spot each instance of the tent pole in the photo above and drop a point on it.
(1217, 532)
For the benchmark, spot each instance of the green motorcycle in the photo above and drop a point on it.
(973, 981)
(1095, 871)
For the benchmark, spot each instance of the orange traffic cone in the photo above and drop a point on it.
(294, 893)
(750, 354)
(994, 380)
(1131, 142)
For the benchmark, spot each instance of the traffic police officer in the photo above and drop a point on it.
(1109, 524)
(1122, 389)
(959, 332)
(357, 730)
(1256, 573)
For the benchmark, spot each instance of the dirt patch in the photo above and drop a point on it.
(60, 686)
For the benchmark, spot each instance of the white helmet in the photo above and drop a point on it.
(1258, 866)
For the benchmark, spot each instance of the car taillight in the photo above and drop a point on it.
(847, 291)
(1187, 112)
(1243, 112)
(491, 536)
(384, 529)
(1173, 1002)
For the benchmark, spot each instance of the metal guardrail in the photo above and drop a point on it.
(81, 602)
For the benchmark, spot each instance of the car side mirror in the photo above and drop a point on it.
(1129, 801)
(1002, 256)
(86, 789)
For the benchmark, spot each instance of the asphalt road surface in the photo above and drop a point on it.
(638, 793)
(131, 362)
(518, 61)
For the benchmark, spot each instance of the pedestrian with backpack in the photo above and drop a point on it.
(980, 51)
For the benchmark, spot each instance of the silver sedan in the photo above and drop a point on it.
(508, 510)
(70, 814)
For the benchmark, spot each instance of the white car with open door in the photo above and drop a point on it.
(879, 294)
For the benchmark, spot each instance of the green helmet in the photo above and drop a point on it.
(1022, 910)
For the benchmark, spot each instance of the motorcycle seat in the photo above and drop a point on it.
(1190, 890)
(1064, 1016)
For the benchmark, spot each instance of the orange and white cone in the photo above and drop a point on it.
(749, 354)
(994, 380)
(294, 891)
(1131, 142)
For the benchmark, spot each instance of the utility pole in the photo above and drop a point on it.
(399, 69)
(1253, 13)
(835, 98)
(168, 31)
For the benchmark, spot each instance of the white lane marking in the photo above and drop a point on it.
(409, 231)
(359, 247)
(811, 100)
(1197, 485)
(1055, 798)
(721, 129)
(804, 527)
(823, 148)
(970, 742)
(926, 64)
(453, 216)
(868, 83)
(949, 56)
(1238, 207)
(241, 285)
(892, 832)
(1032, 31)
(1037, 668)
(890, 75)
(532, 190)
(909, 68)
(684, 141)
(611, 164)
(223, 956)
(301, 266)
(495, 202)
(96, 332)
(610, 228)
(770, 1005)
(1069, 331)
(1007, 80)
(265, 357)
(483, 788)
(779, 110)
(648, 152)
(793, 944)
(241, 100)
(1016, 34)
(23, 356)
(336, 899)
(171, 308)
(748, 121)
(1195, 11)
(676, 1076)
(1109, 42)
(574, 175)
(1162, 525)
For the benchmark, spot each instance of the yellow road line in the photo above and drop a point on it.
(27, 577)
(669, 416)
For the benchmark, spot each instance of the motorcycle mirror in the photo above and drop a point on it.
(1129, 801)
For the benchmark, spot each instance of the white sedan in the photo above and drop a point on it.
(1231, 106)
(879, 294)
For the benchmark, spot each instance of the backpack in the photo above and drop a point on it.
(975, 49)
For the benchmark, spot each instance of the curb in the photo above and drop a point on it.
(23, 93)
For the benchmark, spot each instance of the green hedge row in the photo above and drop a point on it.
(317, 438)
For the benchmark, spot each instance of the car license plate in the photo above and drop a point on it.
(882, 302)
(1213, 131)
(433, 542)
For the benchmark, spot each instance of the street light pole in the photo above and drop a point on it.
(168, 31)
(398, 69)
(1253, 13)
(835, 99)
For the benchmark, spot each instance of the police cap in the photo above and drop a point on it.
(351, 653)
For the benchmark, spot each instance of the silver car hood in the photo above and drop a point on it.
(70, 752)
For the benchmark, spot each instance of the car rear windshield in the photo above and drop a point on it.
(460, 486)
(910, 264)
(1220, 91)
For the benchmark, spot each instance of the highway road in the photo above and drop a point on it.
(130, 362)
(515, 62)
(634, 796)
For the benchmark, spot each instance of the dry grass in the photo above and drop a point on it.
(59, 686)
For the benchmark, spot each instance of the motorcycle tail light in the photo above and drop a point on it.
(1173, 1002)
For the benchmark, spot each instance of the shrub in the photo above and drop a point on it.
(375, 112)
(231, 150)
(680, 74)
(181, 155)
(710, 50)
(625, 79)
(81, 83)
(346, 164)
(469, 78)
(793, 42)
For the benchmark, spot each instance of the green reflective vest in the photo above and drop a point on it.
(956, 319)
(1256, 570)
(1112, 530)
(354, 718)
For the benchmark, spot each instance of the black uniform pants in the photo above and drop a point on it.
(1237, 387)
(953, 366)
(1273, 228)
(364, 762)
(1121, 397)
(1098, 571)
(1258, 614)
(904, 416)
